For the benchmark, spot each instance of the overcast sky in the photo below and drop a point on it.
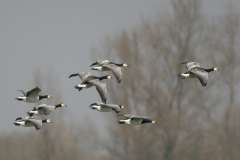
(57, 35)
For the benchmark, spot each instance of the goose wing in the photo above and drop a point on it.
(84, 75)
(101, 88)
(46, 108)
(102, 62)
(37, 123)
(126, 116)
(201, 75)
(22, 118)
(190, 65)
(33, 92)
(75, 74)
(143, 119)
(116, 71)
(23, 91)
(88, 78)
(138, 117)
(114, 107)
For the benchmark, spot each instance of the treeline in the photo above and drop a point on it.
(194, 122)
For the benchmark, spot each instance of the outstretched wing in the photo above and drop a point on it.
(88, 78)
(116, 71)
(201, 75)
(37, 123)
(142, 119)
(190, 65)
(84, 75)
(75, 74)
(101, 88)
(33, 92)
(138, 117)
(47, 109)
(23, 91)
(102, 62)
(114, 107)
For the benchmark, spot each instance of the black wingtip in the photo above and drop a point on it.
(95, 63)
(184, 62)
(179, 75)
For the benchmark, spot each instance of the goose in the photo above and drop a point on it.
(86, 76)
(106, 107)
(44, 109)
(31, 96)
(195, 71)
(105, 65)
(89, 82)
(135, 120)
(37, 123)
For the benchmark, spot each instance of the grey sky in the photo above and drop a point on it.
(57, 35)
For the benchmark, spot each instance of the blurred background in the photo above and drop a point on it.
(43, 42)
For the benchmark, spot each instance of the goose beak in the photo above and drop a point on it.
(110, 77)
(125, 65)
(63, 105)
(154, 121)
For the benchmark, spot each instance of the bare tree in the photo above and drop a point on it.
(190, 120)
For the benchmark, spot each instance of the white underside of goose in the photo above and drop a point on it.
(132, 122)
(22, 123)
(85, 85)
(38, 112)
(102, 109)
(100, 68)
(188, 75)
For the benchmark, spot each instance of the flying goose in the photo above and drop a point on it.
(86, 76)
(89, 82)
(31, 96)
(44, 109)
(37, 123)
(106, 107)
(195, 71)
(105, 65)
(135, 120)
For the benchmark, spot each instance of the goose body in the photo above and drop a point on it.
(105, 65)
(44, 109)
(30, 122)
(89, 81)
(135, 120)
(106, 107)
(31, 96)
(195, 71)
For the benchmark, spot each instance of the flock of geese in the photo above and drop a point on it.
(31, 96)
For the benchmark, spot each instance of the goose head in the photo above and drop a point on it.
(215, 69)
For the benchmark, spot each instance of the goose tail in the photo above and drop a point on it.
(79, 88)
